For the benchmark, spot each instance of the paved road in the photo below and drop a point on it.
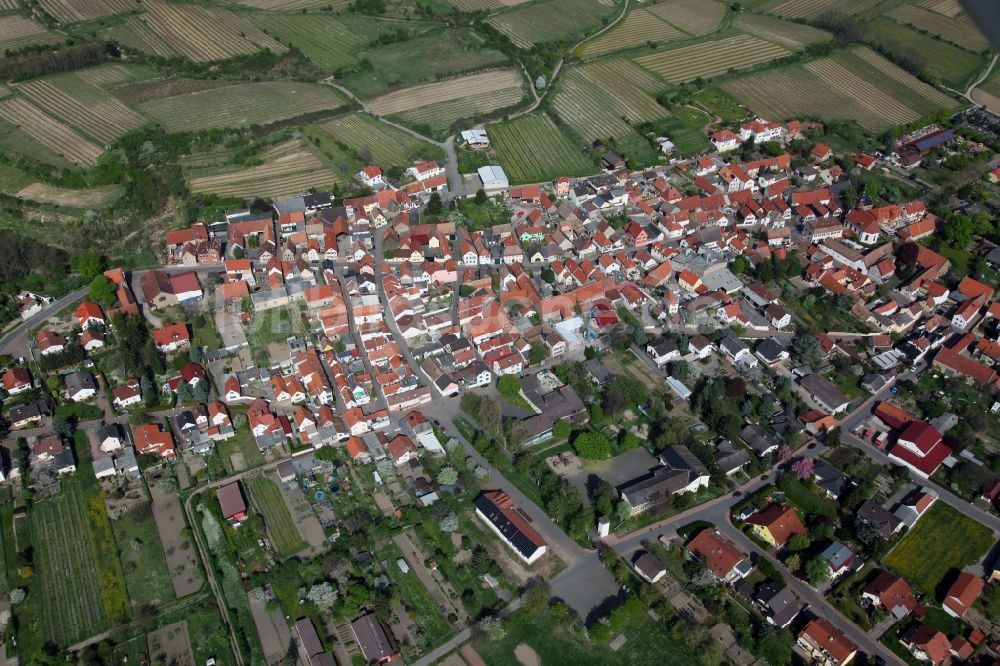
(14, 342)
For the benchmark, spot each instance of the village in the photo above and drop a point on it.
(741, 391)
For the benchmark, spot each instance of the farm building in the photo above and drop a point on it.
(493, 178)
(476, 138)
(234, 507)
(497, 509)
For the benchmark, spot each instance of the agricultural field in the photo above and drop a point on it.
(606, 98)
(711, 58)
(115, 74)
(329, 41)
(952, 65)
(856, 85)
(281, 528)
(438, 119)
(73, 529)
(83, 106)
(791, 35)
(202, 34)
(241, 105)
(531, 149)
(929, 550)
(695, 17)
(423, 59)
(812, 8)
(289, 168)
(378, 143)
(74, 11)
(685, 127)
(48, 131)
(142, 91)
(416, 97)
(551, 20)
(18, 31)
(957, 30)
(639, 27)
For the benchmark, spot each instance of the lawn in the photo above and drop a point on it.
(805, 499)
(277, 518)
(204, 333)
(647, 642)
(266, 327)
(943, 540)
(243, 444)
(142, 558)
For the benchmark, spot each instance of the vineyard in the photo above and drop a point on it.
(48, 131)
(440, 117)
(473, 85)
(277, 518)
(550, 20)
(140, 92)
(695, 17)
(857, 85)
(480, 5)
(289, 5)
(711, 58)
(73, 11)
(949, 8)
(594, 98)
(83, 106)
(378, 143)
(958, 30)
(329, 41)
(17, 32)
(114, 74)
(949, 63)
(639, 27)
(241, 105)
(814, 8)
(198, 33)
(786, 33)
(531, 149)
(289, 168)
(72, 530)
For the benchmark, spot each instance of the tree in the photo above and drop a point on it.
(448, 476)
(793, 562)
(798, 542)
(537, 355)
(592, 446)
(548, 275)
(62, 426)
(489, 415)
(784, 452)
(806, 349)
(562, 429)
(803, 468)
(817, 571)
(183, 392)
(103, 291)
(434, 206)
(493, 628)
(324, 595)
(680, 370)
(481, 197)
(739, 265)
(449, 523)
(90, 265)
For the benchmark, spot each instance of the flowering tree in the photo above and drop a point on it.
(324, 595)
(803, 468)
(493, 628)
(449, 523)
(448, 476)
(784, 452)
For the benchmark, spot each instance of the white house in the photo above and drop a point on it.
(663, 351)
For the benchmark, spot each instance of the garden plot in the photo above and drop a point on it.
(711, 58)
(267, 498)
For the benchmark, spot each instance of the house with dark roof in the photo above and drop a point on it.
(679, 472)
(234, 507)
(840, 558)
(879, 517)
(310, 645)
(777, 603)
(376, 647)
(498, 511)
(759, 439)
(830, 479)
(824, 393)
(649, 567)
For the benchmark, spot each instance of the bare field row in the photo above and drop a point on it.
(290, 174)
(17, 32)
(949, 8)
(711, 58)
(550, 20)
(289, 5)
(432, 93)
(639, 27)
(789, 34)
(479, 5)
(84, 106)
(814, 8)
